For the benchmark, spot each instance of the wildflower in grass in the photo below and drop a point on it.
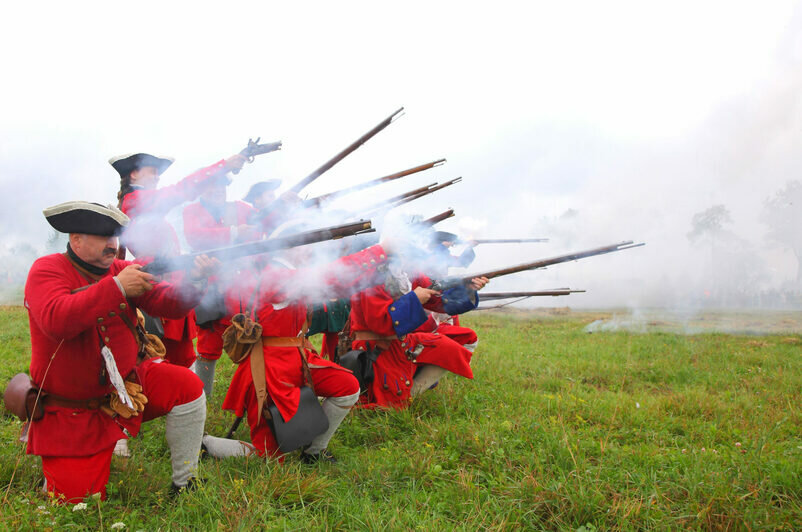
(119, 525)
(737, 444)
(79, 507)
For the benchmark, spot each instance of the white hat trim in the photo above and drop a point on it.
(109, 210)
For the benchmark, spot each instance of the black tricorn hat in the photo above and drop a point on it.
(125, 164)
(87, 218)
(260, 188)
(438, 237)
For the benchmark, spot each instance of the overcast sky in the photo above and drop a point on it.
(634, 114)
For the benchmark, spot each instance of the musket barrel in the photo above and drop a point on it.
(367, 184)
(508, 240)
(344, 153)
(556, 260)
(454, 281)
(490, 296)
(438, 218)
(185, 262)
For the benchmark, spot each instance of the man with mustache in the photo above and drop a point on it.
(91, 361)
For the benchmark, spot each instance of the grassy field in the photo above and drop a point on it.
(561, 429)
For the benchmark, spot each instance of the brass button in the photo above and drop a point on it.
(100, 320)
(396, 323)
(364, 264)
(107, 339)
(372, 261)
(381, 256)
(392, 309)
(102, 327)
(445, 300)
(122, 306)
(112, 314)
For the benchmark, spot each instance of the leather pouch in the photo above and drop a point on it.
(361, 365)
(309, 422)
(20, 398)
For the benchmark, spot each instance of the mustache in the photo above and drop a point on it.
(110, 251)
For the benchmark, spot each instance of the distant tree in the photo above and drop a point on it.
(782, 213)
(710, 223)
(736, 268)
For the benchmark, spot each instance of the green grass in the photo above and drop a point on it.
(560, 429)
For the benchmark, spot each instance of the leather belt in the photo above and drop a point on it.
(286, 341)
(370, 336)
(86, 404)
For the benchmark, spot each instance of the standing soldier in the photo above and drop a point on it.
(89, 361)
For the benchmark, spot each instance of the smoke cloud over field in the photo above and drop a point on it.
(585, 126)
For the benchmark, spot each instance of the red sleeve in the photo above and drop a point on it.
(48, 299)
(370, 311)
(351, 273)
(202, 230)
(163, 199)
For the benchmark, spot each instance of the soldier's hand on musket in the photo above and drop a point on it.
(424, 294)
(477, 283)
(204, 267)
(134, 281)
(235, 162)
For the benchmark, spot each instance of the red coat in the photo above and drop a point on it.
(204, 231)
(283, 367)
(66, 330)
(372, 310)
(150, 235)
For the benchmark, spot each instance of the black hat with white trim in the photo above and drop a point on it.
(260, 188)
(87, 218)
(125, 164)
(438, 237)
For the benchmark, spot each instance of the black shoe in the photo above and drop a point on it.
(323, 456)
(192, 484)
(204, 452)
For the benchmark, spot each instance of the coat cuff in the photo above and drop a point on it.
(459, 300)
(407, 314)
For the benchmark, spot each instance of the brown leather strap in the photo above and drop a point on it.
(370, 336)
(87, 404)
(286, 341)
(257, 361)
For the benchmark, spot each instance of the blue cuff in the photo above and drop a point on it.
(459, 300)
(407, 314)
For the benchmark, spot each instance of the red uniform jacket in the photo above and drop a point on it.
(377, 311)
(149, 235)
(204, 231)
(66, 333)
(281, 310)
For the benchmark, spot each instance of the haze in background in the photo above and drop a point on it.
(584, 122)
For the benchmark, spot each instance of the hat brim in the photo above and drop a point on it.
(86, 218)
(260, 188)
(125, 164)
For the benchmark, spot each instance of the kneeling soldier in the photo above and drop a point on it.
(91, 361)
